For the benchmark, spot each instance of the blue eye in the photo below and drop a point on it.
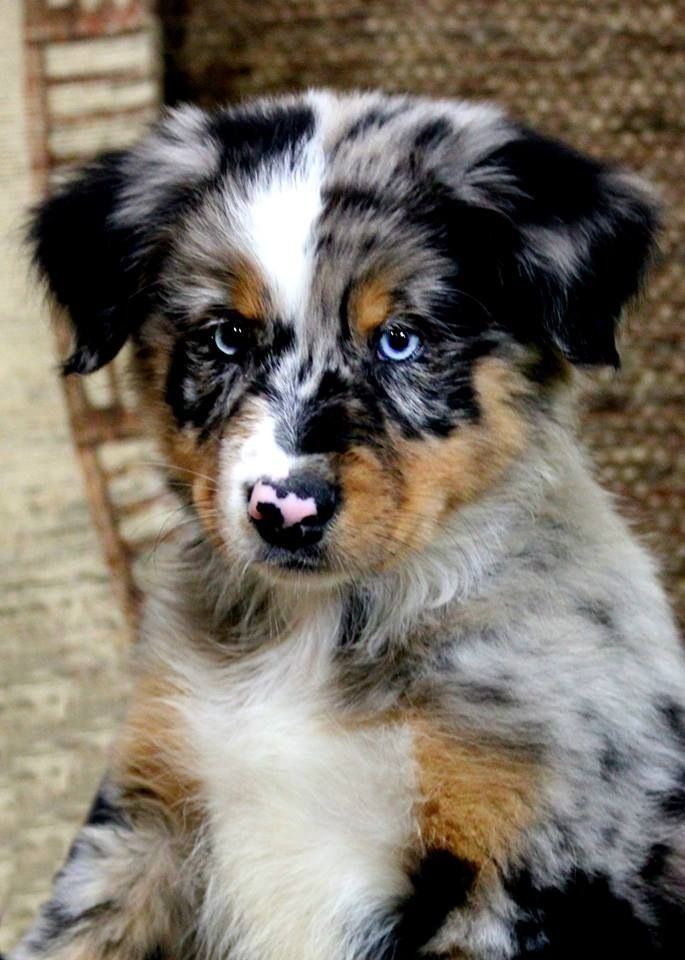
(398, 344)
(230, 338)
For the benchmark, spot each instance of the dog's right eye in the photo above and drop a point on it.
(232, 337)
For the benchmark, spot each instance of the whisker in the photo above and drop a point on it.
(173, 466)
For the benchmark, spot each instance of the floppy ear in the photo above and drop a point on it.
(95, 239)
(581, 236)
(89, 261)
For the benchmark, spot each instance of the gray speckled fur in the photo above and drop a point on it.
(533, 620)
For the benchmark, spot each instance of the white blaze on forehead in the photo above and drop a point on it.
(244, 461)
(279, 221)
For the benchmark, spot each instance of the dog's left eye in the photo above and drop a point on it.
(398, 344)
(231, 337)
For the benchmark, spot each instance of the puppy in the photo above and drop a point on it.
(412, 689)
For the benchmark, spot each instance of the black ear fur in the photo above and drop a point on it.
(90, 262)
(582, 236)
(99, 239)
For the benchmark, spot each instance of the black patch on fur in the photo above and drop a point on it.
(447, 392)
(339, 414)
(251, 138)
(323, 423)
(282, 339)
(433, 133)
(486, 693)
(354, 619)
(673, 803)
(557, 189)
(103, 812)
(344, 309)
(656, 863)
(673, 715)
(200, 379)
(597, 612)
(325, 242)
(341, 199)
(664, 898)
(323, 429)
(556, 183)
(265, 357)
(57, 920)
(441, 883)
(156, 953)
(87, 261)
(584, 918)
(100, 271)
(612, 762)
(194, 367)
(375, 118)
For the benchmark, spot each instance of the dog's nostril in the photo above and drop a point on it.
(291, 513)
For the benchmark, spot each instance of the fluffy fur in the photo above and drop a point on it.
(449, 721)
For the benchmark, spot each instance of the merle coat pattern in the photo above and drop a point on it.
(411, 688)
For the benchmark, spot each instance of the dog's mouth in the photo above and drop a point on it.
(301, 559)
(304, 560)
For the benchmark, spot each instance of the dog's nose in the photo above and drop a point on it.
(292, 513)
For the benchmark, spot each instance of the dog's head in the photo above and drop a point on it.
(345, 308)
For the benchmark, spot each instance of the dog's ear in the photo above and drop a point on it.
(94, 239)
(579, 237)
(89, 261)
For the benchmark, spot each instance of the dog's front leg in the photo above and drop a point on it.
(116, 895)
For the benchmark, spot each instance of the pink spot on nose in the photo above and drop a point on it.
(292, 508)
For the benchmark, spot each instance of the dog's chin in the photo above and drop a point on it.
(309, 566)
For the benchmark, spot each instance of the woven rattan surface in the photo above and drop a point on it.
(609, 75)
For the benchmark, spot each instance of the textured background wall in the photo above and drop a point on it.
(609, 75)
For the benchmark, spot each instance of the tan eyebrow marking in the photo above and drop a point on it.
(372, 304)
(249, 295)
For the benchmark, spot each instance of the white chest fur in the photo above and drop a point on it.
(309, 819)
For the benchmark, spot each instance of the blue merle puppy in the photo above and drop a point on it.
(412, 689)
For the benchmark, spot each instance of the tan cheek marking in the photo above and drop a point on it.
(442, 475)
(389, 512)
(190, 463)
(149, 759)
(371, 305)
(205, 487)
(196, 466)
(371, 495)
(475, 800)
